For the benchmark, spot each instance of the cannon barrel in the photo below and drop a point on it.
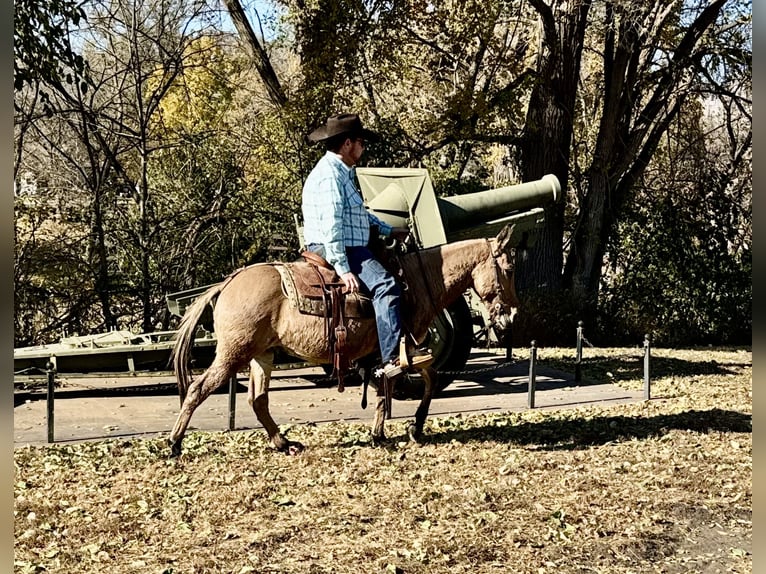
(462, 211)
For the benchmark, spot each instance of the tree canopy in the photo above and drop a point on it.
(178, 130)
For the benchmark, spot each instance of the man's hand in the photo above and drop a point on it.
(351, 281)
(399, 233)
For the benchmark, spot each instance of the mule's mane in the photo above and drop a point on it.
(438, 265)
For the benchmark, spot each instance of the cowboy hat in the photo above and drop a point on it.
(342, 124)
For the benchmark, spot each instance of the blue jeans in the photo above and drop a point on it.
(384, 290)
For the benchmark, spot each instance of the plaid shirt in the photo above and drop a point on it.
(334, 214)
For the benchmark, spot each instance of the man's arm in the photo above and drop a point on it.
(335, 248)
(383, 227)
(387, 230)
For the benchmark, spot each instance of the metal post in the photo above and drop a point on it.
(647, 382)
(232, 400)
(532, 375)
(508, 345)
(578, 358)
(49, 398)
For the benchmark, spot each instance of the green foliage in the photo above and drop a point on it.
(681, 260)
(680, 283)
(41, 45)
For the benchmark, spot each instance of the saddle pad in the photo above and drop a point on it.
(306, 295)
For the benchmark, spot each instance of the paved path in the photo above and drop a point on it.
(97, 408)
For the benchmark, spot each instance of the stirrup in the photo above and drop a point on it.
(415, 358)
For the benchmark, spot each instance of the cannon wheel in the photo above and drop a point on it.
(450, 337)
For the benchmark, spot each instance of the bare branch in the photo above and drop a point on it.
(258, 53)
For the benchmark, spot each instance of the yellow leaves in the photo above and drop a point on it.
(95, 552)
(738, 552)
(560, 527)
(183, 527)
(201, 94)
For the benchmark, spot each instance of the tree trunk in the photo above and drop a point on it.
(144, 243)
(98, 244)
(548, 133)
(540, 266)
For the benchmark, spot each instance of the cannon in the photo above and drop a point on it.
(404, 197)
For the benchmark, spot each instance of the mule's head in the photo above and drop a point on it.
(493, 280)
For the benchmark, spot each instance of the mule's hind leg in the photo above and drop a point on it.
(258, 397)
(199, 389)
(415, 430)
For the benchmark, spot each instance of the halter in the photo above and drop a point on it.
(502, 306)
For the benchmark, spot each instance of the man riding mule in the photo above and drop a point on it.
(255, 311)
(336, 226)
(253, 317)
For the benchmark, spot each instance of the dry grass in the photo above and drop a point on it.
(659, 486)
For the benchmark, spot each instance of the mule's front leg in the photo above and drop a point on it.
(258, 397)
(415, 430)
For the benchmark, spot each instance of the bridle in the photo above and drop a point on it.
(500, 313)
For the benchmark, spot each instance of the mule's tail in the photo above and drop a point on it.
(186, 331)
(185, 338)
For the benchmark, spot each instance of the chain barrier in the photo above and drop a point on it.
(491, 368)
(480, 370)
(467, 372)
(594, 360)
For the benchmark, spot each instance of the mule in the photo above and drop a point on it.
(252, 317)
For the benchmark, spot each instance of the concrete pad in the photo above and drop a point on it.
(96, 408)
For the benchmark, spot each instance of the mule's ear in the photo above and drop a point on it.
(503, 239)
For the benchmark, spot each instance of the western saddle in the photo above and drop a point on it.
(315, 288)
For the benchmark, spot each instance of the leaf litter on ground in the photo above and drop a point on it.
(657, 486)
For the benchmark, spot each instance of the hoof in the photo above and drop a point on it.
(292, 448)
(415, 433)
